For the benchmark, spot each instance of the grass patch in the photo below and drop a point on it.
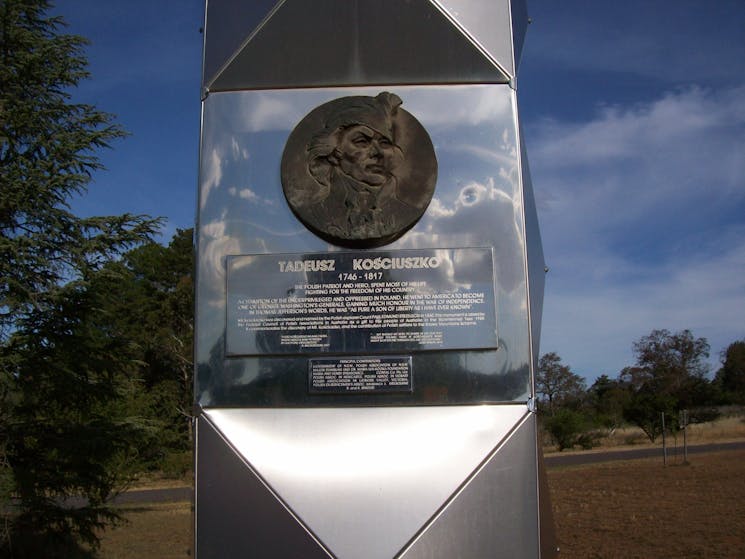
(157, 531)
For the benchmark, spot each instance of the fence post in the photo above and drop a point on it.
(664, 446)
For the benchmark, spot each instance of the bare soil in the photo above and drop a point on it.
(642, 509)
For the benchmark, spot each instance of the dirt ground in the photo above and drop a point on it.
(617, 510)
(642, 509)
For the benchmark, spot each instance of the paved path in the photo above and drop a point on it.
(148, 496)
(633, 454)
(181, 494)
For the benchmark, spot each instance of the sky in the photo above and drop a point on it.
(634, 120)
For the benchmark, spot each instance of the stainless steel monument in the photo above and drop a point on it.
(369, 284)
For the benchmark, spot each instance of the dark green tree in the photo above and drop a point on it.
(561, 401)
(62, 369)
(670, 374)
(556, 384)
(645, 402)
(566, 427)
(608, 397)
(730, 378)
(154, 310)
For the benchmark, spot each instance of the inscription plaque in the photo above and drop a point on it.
(359, 171)
(359, 374)
(351, 302)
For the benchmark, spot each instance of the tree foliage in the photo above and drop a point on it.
(608, 397)
(670, 374)
(561, 401)
(63, 370)
(154, 311)
(730, 378)
(557, 385)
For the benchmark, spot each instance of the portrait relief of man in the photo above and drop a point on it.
(359, 171)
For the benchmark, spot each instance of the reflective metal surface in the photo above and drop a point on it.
(536, 263)
(495, 512)
(228, 24)
(491, 26)
(355, 42)
(365, 480)
(237, 514)
(340, 437)
(477, 203)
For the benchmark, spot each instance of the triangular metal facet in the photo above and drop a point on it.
(494, 515)
(520, 22)
(489, 23)
(236, 514)
(534, 249)
(357, 42)
(365, 480)
(549, 548)
(227, 25)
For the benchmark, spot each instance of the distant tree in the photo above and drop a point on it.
(645, 403)
(557, 385)
(565, 426)
(561, 401)
(672, 360)
(61, 432)
(608, 397)
(730, 378)
(670, 374)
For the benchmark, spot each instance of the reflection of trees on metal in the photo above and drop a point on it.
(359, 171)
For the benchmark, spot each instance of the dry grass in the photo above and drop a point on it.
(157, 531)
(725, 429)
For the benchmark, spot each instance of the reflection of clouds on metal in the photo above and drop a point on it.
(211, 174)
(214, 245)
(251, 196)
(271, 111)
(437, 209)
(475, 105)
(477, 200)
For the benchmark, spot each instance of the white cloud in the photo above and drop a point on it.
(643, 218)
(678, 158)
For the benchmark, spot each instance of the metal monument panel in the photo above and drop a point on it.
(402, 463)
(475, 210)
(369, 283)
(353, 42)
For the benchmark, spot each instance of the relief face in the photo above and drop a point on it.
(359, 171)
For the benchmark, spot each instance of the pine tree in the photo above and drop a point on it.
(63, 435)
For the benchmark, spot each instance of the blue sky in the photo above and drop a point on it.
(634, 116)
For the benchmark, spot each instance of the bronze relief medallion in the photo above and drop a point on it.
(359, 171)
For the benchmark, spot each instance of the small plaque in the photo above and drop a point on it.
(359, 171)
(359, 374)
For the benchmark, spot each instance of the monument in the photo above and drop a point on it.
(369, 284)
